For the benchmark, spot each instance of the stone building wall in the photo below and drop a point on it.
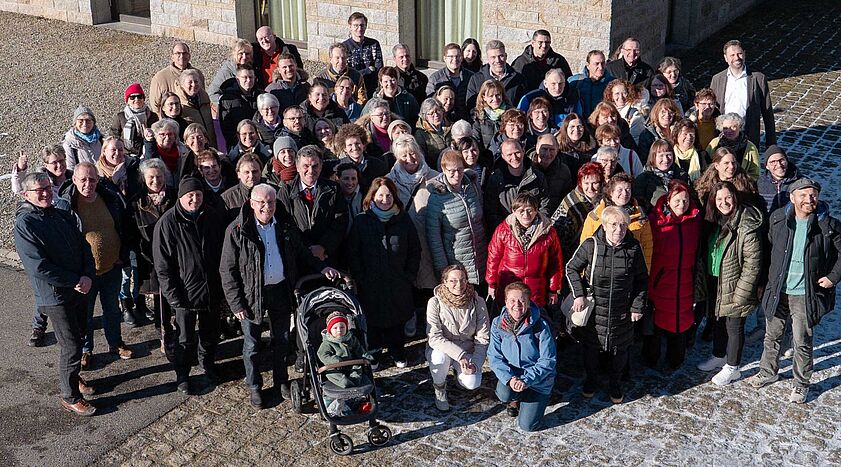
(647, 21)
(205, 21)
(327, 23)
(73, 11)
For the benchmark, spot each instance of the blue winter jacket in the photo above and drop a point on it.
(530, 355)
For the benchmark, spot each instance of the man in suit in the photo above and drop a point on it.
(744, 92)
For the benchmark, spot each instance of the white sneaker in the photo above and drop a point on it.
(401, 363)
(727, 375)
(713, 363)
(798, 394)
(441, 402)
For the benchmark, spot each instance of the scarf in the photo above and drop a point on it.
(525, 234)
(157, 198)
(406, 182)
(738, 146)
(513, 325)
(691, 155)
(89, 138)
(494, 115)
(193, 101)
(384, 216)
(461, 302)
(116, 173)
(285, 173)
(134, 119)
(665, 176)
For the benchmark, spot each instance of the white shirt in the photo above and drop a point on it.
(736, 93)
(272, 262)
(302, 187)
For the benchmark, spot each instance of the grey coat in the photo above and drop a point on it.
(455, 230)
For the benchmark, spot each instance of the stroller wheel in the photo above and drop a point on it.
(341, 444)
(297, 395)
(379, 435)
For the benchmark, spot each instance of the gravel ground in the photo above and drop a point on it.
(64, 65)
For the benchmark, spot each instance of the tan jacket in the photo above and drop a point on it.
(164, 81)
(458, 333)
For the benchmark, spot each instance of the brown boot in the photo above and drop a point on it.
(85, 389)
(82, 408)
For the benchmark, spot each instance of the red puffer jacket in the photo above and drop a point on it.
(671, 282)
(540, 265)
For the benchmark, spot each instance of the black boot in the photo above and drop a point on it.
(127, 305)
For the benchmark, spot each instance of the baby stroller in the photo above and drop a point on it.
(313, 308)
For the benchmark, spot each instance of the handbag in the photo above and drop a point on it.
(580, 318)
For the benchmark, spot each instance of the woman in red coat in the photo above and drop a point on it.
(526, 248)
(676, 227)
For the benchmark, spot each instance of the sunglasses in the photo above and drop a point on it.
(136, 96)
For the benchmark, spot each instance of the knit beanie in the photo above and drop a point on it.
(334, 318)
(189, 184)
(773, 149)
(284, 142)
(133, 88)
(81, 110)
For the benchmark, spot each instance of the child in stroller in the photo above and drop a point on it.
(339, 345)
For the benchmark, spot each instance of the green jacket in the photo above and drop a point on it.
(740, 265)
(341, 349)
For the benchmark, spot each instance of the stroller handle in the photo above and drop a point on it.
(331, 366)
(345, 277)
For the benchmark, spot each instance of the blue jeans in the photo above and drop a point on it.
(39, 320)
(107, 286)
(126, 288)
(532, 405)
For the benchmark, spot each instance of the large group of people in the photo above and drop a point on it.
(484, 206)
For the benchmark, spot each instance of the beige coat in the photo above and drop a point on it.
(458, 332)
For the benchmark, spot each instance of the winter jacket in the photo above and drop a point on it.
(164, 81)
(640, 73)
(403, 104)
(332, 112)
(539, 264)
(741, 264)
(442, 77)
(559, 181)
(328, 77)
(235, 106)
(267, 133)
(513, 82)
(186, 252)
(53, 251)
(649, 186)
(146, 215)
(750, 157)
(501, 191)
(455, 229)
(590, 92)
(484, 129)
(261, 150)
(262, 62)
(289, 94)
(384, 260)
(373, 168)
(639, 227)
(414, 82)
(646, 139)
(674, 272)
(234, 197)
(684, 93)
(243, 259)
(458, 332)
(135, 146)
(628, 161)
(326, 222)
(562, 105)
(200, 114)
(569, 219)
(77, 150)
(227, 70)
(530, 354)
(773, 194)
(185, 165)
(821, 259)
(618, 287)
(341, 349)
(534, 70)
(431, 142)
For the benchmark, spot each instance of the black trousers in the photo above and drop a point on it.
(675, 347)
(189, 342)
(70, 323)
(616, 365)
(277, 302)
(729, 339)
(391, 338)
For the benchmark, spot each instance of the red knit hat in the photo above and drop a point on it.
(133, 88)
(335, 317)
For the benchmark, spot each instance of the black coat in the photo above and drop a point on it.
(260, 57)
(640, 73)
(484, 129)
(821, 259)
(500, 193)
(559, 181)
(186, 255)
(234, 107)
(649, 187)
(333, 112)
(146, 215)
(619, 286)
(326, 223)
(242, 262)
(384, 260)
(513, 82)
(414, 82)
(534, 71)
(374, 168)
(289, 95)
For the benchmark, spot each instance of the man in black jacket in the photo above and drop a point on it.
(629, 66)
(805, 268)
(258, 237)
(238, 102)
(412, 80)
(497, 68)
(60, 266)
(290, 85)
(538, 58)
(186, 247)
(452, 74)
(315, 205)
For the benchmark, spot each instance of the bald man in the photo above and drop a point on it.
(267, 52)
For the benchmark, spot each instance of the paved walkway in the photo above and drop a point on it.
(669, 419)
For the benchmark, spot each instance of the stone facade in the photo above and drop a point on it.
(73, 11)
(327, 23)
(204, 21)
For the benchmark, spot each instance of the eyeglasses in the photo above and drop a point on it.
(293, 118)
(379, 115)
(40, 191)
(135, 97)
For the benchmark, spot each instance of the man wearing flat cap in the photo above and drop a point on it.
(186, 248)
(803, 272)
